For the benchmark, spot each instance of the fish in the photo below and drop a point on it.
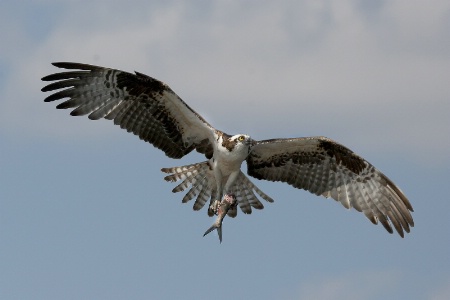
(229, 201)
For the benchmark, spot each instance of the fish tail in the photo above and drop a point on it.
(212, 228)
(215, 226)
(219, 232)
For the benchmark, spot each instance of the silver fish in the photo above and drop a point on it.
(228, 201)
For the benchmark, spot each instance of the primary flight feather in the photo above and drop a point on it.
(150, 109)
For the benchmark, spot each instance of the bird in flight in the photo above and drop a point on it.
(151, 110)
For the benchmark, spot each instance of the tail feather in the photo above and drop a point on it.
(253, 187)
(188, 180)
(197, 186)
(203, 196)
(200, 180)
(178, 173)
(244, 190)
(243, 201)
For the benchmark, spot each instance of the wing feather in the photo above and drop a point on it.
(324, 167)
(136, 102)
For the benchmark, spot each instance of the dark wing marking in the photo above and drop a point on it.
(136, 102)
(324, 167)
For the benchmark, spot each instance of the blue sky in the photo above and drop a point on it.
(85, 213)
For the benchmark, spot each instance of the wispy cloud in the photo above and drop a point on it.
(441, 292)
(348, 71)
(351, 286)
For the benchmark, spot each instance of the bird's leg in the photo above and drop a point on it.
(227, 188)
(230, 181)
(221, 191)
(213, 208)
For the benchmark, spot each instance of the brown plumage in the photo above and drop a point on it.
(324, 167)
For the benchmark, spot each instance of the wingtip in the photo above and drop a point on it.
(62, 64)
(74, 65)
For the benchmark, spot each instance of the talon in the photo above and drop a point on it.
(214, 208)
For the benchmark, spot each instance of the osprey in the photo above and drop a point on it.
(150, 109)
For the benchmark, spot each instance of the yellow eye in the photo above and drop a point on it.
(241, 138)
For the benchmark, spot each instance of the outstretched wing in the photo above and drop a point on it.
(136, 102)
(324, 167)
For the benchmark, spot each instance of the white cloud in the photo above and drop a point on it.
(351, 286)
(441, 292)
(419, 25)
(313, 67)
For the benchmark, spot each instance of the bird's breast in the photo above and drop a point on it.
(227, 163)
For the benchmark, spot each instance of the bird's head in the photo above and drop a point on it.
(238, 143)
(243, 139)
